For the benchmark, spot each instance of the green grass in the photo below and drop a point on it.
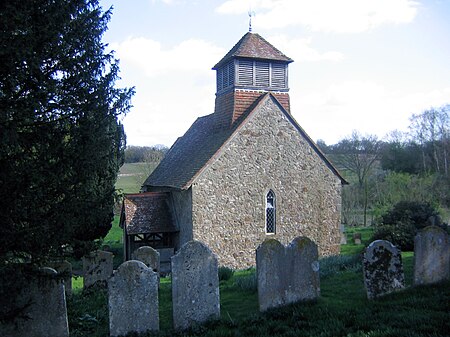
(342, 309)
(350, 248)
(114, 241)
(132, 176)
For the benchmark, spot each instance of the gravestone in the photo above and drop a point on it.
(343, 236)
(195, 285)
(431, 256)
(148, 256)
(357, 238)
(133, 299)
(46, 313)
(287, 274)
(383, 269)
(97, 267)
(165, 255)
(64, 268)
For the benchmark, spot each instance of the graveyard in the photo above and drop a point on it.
(342, 309)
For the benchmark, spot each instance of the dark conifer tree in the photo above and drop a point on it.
(61, 141)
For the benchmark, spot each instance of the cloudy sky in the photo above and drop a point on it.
(363, 65)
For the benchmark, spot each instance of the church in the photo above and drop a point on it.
(243, 174)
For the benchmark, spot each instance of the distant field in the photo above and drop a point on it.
(132, 176)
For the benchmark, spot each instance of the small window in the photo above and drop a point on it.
(270, 213)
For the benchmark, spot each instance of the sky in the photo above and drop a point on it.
(364, 65)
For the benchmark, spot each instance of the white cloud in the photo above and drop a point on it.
(365, 106)
(174, 86)
(301, 51)
(343, 16)
(150, 56)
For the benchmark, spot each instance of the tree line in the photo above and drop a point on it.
(145, 154)
(407, 166)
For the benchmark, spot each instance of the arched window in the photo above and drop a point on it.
(270, 212)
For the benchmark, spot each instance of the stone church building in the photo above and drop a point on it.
(245, 173)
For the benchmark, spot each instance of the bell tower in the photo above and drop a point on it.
(250, 69)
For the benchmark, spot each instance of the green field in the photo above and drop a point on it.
(132, 175)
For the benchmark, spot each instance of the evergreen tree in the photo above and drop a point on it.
(61, 142)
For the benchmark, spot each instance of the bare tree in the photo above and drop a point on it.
(431, 129)
(358, 155)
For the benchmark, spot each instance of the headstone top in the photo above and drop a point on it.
(133, 299)
(195, 285)
(431, 256)
(97, 267)
(383, 269)
(287, 274)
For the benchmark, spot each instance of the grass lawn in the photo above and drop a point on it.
(342, 309)
(132, 175)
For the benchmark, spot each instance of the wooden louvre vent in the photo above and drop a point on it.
(225, 76)
(252, 74)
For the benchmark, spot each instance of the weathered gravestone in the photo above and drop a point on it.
(287, 274)
(383, 269)
(64, 269)
(133, 299)
(148, 256)
(357, 238)
(195, 285)
(431, 256)
(45, 307)
(97, 267)
(343, 236)
(165, 256)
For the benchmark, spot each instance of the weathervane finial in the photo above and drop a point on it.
(250, 15)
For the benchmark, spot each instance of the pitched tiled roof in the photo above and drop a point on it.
(252, 45)
(190, 154)
(147, 213)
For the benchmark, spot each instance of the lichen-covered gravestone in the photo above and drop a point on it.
(287, 274)
(133, 299)
(149, 256)
(431, 256)
(46, 312)
(97, 267)
(383, 269)
(195, 285)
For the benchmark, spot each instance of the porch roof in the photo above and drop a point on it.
(144, 213)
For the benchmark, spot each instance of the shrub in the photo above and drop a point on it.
(400, 224)
(225, 273)
(338, 263)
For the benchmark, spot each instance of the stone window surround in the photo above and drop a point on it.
(274, 206)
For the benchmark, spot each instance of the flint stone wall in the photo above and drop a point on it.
(228, 197)
(133, 299)
(287, 274)
(47, 313)
(97, 267)
(148, 256)
(383, 269)
(431, 256)
(195, 285)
